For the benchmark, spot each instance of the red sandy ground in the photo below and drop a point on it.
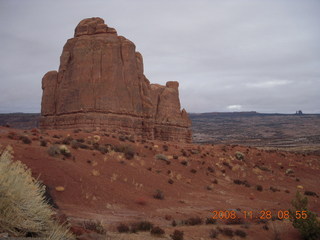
(111, 189)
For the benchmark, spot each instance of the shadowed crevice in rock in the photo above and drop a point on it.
(100, 83)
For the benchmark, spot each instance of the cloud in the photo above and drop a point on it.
(234, 107)
(252, 53)
(268, 84)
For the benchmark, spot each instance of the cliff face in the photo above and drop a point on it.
(100, 83)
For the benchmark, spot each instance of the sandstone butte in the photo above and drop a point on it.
(101, 85)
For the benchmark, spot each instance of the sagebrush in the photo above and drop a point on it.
(23, 208)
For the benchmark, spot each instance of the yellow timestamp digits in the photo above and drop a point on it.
(263, 214)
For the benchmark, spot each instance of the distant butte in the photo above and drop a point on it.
(100, 84)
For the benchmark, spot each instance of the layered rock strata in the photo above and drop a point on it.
(100, 84)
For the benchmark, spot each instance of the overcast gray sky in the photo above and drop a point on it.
(228, 55)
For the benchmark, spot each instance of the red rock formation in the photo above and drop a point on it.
(100, 83)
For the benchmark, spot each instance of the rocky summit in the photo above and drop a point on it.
(100, 84)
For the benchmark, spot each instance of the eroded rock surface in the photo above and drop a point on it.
(100, 84)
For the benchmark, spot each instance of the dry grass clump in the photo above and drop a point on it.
(128, 151)
(162, 157)
(94, 226)
(55, 150)
(23, 209)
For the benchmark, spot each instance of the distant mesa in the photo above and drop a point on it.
(100, 84)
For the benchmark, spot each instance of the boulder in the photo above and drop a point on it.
(101, 84)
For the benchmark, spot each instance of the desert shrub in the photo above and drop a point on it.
(170, 181)
(184, 153)
(195, 151)
(48, 198)
(157, 231)
(80, 140)
(103, 149)
(214, 233)
(239, 155)
(309, 227)
(23, 209)
(83, 146)
(237, 181)
(128, 150)
(75, 144)
(240, 182)
(25, 139)
(259, 188)
(95, 145)
(162, 157)
(94, 226)
(123, 228)
(173, 223)
(177, 235)
(184, 162)
(12, 135)
(310, 193)
(141, 226)
(235, 221)
(165, 147)
(67, 140)
(227, 232)
(64, 151)
(158, 194)
(54, 150)
(193, 221)
(193, 171)
(274, 189)
(215, 181)
(43, 143)
(122, 138)
(240, 233)
(210, 169)
(211, 221)
(145, 226)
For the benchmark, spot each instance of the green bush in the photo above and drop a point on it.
(23, 208)
(308, 224)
